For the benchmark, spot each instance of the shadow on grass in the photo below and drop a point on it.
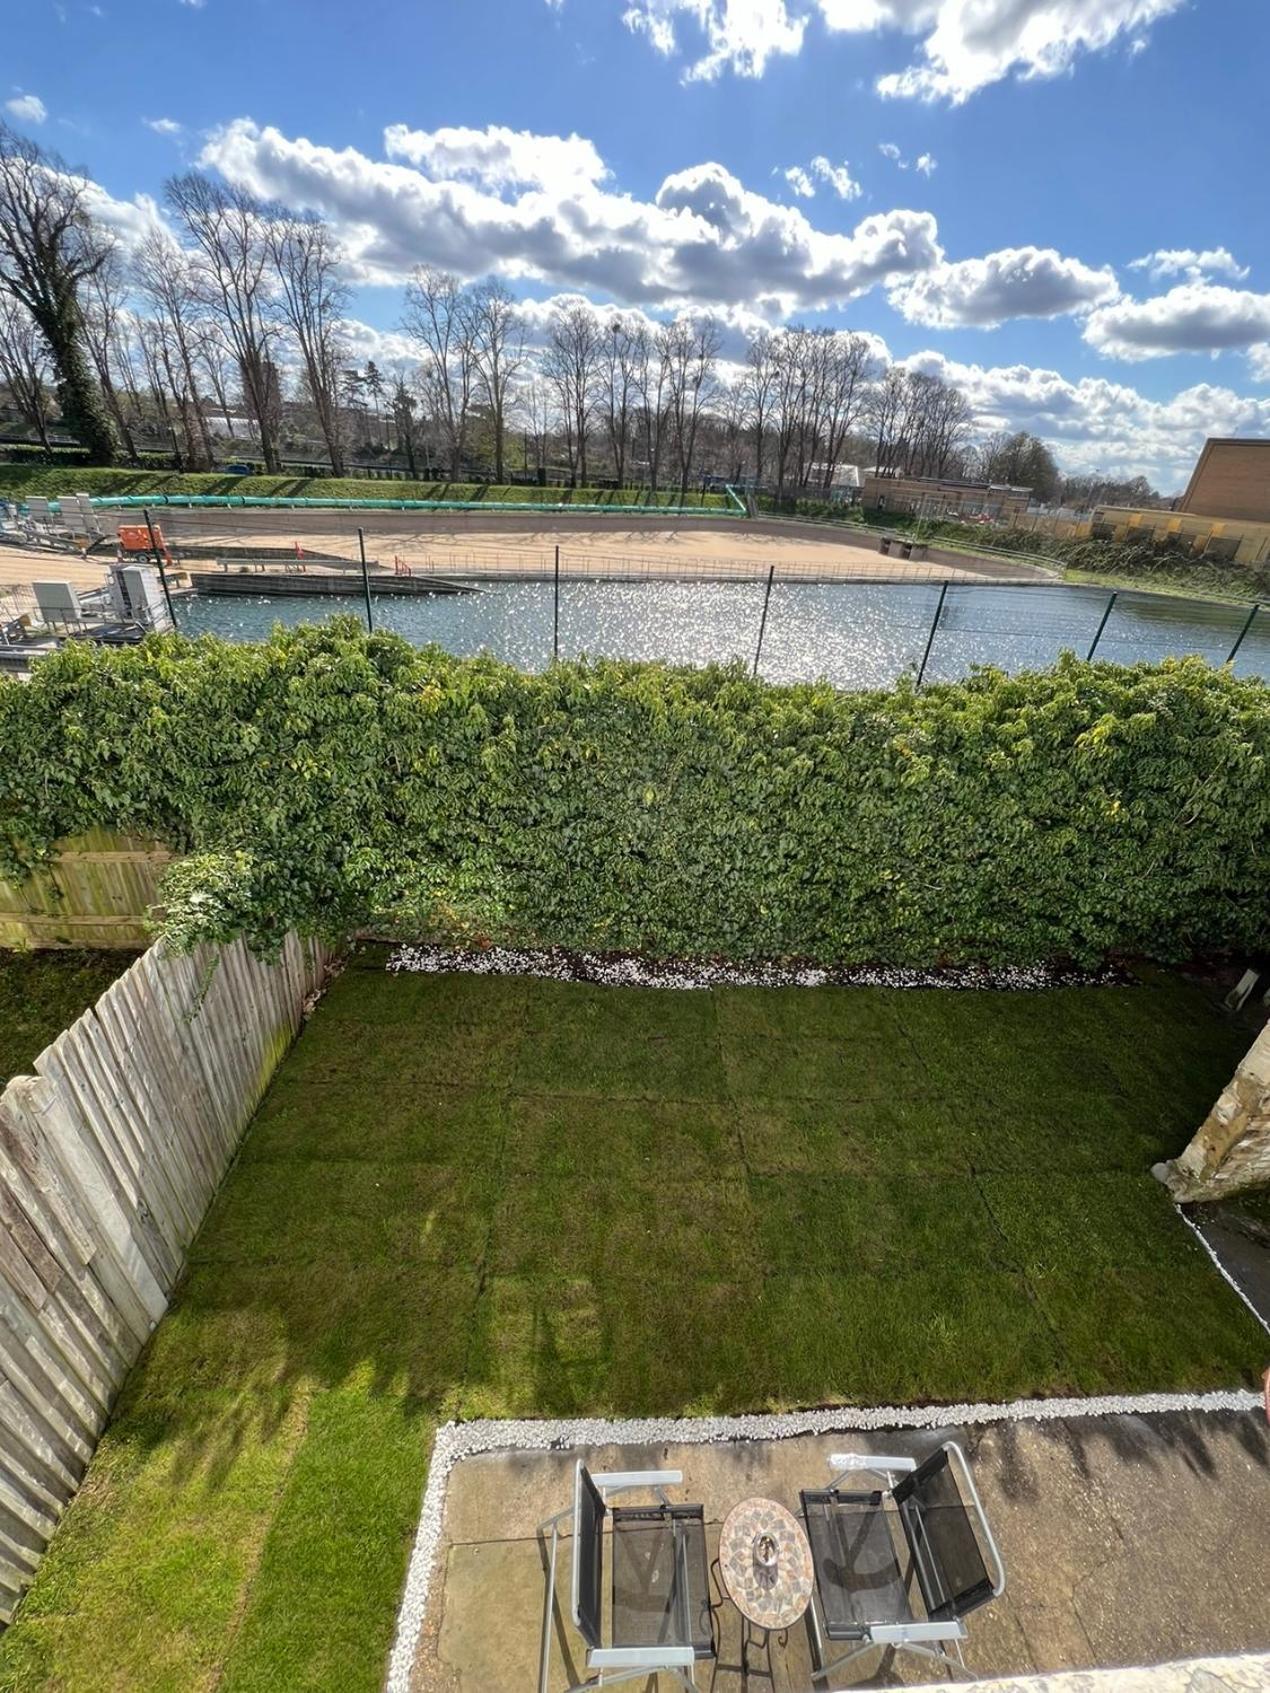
(467, 1197)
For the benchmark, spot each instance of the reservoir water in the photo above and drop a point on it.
(851, 634)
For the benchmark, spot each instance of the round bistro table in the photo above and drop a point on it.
(770, 1599)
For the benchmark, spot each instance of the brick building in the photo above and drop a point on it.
(943, 496)
(1231, 480)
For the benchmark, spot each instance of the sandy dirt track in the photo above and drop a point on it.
(618, 548)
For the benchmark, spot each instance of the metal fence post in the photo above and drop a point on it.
(758, 651)
(163, 575)
(555, 626)
(934, 624)
(1107, 610)
(361, 547)
(1247, 626)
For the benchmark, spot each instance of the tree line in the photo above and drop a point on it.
(227, 330)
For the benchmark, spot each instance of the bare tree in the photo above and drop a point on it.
(1020, 459)
(313, 300)
(229, 229)
(760, 383)
(535, 399)
(619, 387)
(571, 365)
(885, 412)
(691, 350)
(214, 358)
(49, 249)
(850, 360)
(25, 366)
(652, 374)
(404, 407)
(438, 318)
(104, 306)
(162, 276)
(498, 349)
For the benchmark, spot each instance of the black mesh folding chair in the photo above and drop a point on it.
(659, 1617)
(870, 1546)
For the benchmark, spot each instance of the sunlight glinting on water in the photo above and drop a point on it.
(853, 635)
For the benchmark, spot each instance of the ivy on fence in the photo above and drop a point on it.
(328, 780)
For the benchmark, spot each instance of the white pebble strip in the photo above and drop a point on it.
(627, 970)
(456, 1441)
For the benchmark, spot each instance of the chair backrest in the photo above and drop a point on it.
(947, 1557)
(589, 1511)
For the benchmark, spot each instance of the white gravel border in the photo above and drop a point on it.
(628, 970)
(456, 1441)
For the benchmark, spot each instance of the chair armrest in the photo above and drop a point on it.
(641, 1657)
(614, 1481)
(914, 1633)
(955, 1451)
(876, 1463)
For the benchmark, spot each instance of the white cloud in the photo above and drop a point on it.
(740, 35)
(194, 5)
(27, 108)
(925, 164)
(130, 220)
(838, 177)
(1015, 282)
(389, 348)
(966, 44)
(704, 239)
(1096, 425)
(1185, 261)
(1194, 317)
(163, 126)
(969, 44)
(496, 158)
(1259, 361)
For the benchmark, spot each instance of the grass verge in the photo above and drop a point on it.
(20, 481)
(469, 1197)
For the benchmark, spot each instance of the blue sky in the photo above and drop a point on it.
(638, 150)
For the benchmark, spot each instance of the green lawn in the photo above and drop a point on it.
(41, 993)
(468, 1197)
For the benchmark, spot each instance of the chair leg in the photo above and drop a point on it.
(548, 1610)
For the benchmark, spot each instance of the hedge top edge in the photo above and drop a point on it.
(329, 780)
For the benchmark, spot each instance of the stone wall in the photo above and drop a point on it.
(1231, 1150)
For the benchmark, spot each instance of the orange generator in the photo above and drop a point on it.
(135, 538)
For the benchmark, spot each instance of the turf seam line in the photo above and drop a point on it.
(456, 1441)
(1222, 1271)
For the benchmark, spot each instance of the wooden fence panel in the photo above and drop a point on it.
(98, 891)
(109, 1158)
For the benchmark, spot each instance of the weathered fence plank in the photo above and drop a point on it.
(109, 1157)
(98, 890)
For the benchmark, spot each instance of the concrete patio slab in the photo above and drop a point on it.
(1127, 1540)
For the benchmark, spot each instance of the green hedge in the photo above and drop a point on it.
(20, 481)
(330, 779)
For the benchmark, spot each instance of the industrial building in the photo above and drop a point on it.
(943, 496)
(1231, 480)
(1224, 513)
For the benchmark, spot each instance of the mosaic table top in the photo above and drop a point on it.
(774, 1596)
